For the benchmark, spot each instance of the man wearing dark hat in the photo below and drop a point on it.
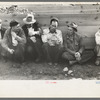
(52, 42)
(14, 42)
(33, 35)
(74, 49)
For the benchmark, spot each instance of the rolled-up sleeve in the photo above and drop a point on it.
(45, 35)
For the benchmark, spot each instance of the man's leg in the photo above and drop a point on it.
(70, 58)
(86, 55)
(19, 53)
(97, 49)
(58, 51)
(39, 50)
(30, 53)
(46, 49)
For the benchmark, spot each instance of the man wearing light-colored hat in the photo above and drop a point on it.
(74, 48)
(33, 35)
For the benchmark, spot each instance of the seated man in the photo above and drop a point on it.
(97, 48)
(52, 42)
(33, 35)
(2, 31)
(74, 49)
(14, 42)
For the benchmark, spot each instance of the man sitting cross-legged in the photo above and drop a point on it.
(74, 49)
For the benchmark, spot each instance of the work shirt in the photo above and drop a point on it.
(47, 36)
(7, 40)
(73, 43)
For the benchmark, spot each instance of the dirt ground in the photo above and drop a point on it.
(88, 22)
(42, 71)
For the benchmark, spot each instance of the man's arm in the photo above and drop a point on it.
(21, 38)
(82, 47)
(66, 47)
(4, 41)
(60, 37)
(44, 36)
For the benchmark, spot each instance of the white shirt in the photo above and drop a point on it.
(97, 37)
(49, 36)
(32, 32)
(14, 41)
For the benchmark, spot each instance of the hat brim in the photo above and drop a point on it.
(26, 22)
(72, 27)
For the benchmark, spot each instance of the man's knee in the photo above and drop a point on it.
(29, 49)
(68, 56)
(45, 45)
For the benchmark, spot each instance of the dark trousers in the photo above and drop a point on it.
(18, 54)
(97, 50)
(33, 50)
(86, 55)
(52, 53)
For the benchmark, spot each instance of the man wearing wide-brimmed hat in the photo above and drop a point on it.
(14, 42)
(33, 34)
(74, 48)
(52, 42)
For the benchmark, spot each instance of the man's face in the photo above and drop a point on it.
(54, 23)
(16, 28)
(52, 29)
(70, 31)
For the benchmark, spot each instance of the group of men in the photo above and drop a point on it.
(31, 42)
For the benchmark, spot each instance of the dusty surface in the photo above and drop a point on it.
(42, 71)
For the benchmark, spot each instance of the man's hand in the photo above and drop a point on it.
(33, 39)
(11, 51)
(51, 43)
(78, 56)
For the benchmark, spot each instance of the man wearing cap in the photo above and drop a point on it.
(33, 34)
(74, 49)
(52, 42)
(14, 42)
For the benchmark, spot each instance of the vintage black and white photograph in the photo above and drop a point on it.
(49, 41)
